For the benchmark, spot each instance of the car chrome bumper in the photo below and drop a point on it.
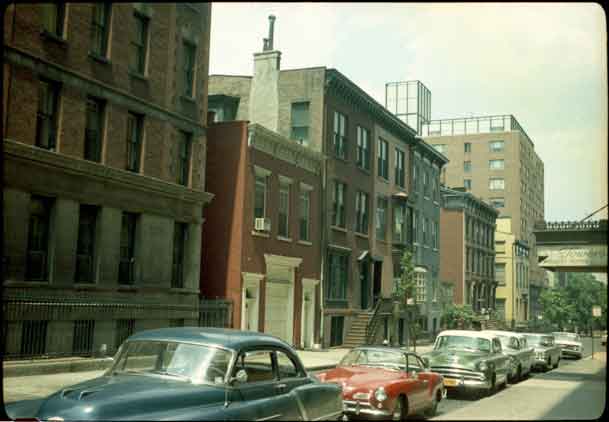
(571, 353)
(356, 408)
(537, 363)
(467, 384)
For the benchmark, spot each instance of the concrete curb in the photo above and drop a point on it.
(21, 369)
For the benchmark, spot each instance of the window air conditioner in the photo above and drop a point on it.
(262, 224)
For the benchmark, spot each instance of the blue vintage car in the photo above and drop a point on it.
(195, 373)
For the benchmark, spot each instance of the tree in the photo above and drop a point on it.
(404, 289)
(458, 316)
(557, 307)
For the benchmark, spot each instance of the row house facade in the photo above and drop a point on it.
(366, 177)
(467, 248)
(104, 171)
(264, 225)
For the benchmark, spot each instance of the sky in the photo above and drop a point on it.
(545, 63)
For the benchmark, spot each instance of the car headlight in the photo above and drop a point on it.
(482, 366)
(380, 395)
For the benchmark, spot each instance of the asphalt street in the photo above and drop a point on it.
(457, 401)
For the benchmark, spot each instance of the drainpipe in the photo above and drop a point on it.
(323, 227)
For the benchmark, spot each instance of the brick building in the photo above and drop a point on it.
(264, 225)
(104, 160)
(467, 248)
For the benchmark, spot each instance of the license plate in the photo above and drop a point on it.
(450, 382)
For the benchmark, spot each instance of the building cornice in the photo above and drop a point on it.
(278, 146)
(99, 89)
(338, 83)
(109, 175)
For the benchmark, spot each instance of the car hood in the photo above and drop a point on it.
(128, 397)
(456, 358)
(568, 343)
(360, 378)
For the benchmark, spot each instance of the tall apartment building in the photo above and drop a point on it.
(104, 160)
(467, 248)
(511, 274)
(367, 177)
(494, 159)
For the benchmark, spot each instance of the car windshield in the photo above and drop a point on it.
(505, 342)
(470, 344)
(539, 340)
(372, 357)
(566, 336)
(182, 361)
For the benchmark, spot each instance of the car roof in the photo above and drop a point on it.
(468, 333)
(385, 349)
(504, 333)
(228, 338)
(538, 334)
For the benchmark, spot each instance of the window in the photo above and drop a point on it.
(190, 61)
(124, 328)
(126, 273)
(36, 266)
(467, 166)
(305, 209)
(415, 179)
(381, 218)
(421, 287)
(400, 174)
(496, 184)
(496, 164)
(33, 338)
(180, 234)
(424, 224)
(100, 30)
(497, 202)
(53, 18)
(284, 209)
(337, 280)
(399, 216)
(336, 330)
(496, 146)
(260, 189)
(94, 129)
(139, 44)
(85, 246)
(257, 364)
(47, 116)
(134, 141)
(383, 159)
(363, 148)
(82, 339)
(467, 147)
(415, 226)
(361, 212)
(425, 184)
(338, 215)
(300, 122)
(285, 366)
(440, 148)
(340, 135)
(432, 234)
(467, 183)
(184, 157)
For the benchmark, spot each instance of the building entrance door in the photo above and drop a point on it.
(364, 276)
(378, 273)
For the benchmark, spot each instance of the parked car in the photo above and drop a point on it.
(469, 360)
(570, 344)
(196, 373)
(547, 354)
(386, 382)
(515, 346)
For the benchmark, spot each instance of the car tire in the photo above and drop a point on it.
(493, 388)
(549, 364)
(519, 376)
(557, 362)
(401, 409)
(431, 412)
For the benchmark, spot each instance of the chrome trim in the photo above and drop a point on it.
(268, 418)
(328, 416)
(301, 407)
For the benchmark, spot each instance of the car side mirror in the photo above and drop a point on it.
(239, 378)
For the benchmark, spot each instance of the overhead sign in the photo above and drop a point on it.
(573, 256)
(596, 311)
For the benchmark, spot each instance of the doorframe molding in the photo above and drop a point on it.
(250, 280)
(308, 284)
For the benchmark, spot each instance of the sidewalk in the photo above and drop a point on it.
(571, 392)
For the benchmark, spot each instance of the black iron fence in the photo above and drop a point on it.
(54, 327)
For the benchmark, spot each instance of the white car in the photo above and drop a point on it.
(570, 344)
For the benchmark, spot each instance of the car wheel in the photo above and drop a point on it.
(493, 388)
(431, 412)
(557, 362)
(519, 375)
(401, 409)
(549, 364)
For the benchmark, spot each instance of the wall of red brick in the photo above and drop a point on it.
(452, 250)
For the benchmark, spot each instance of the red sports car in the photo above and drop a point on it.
(386, 383)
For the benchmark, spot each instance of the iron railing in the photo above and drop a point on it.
(36, 327)
(570, 225)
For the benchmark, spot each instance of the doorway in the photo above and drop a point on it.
(364, 277)
(377, 277)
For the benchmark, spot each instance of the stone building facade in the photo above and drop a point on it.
(267, 249)
(467, 248)
(104, 160)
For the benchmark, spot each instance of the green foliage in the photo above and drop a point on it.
(452, 314)
(571, 306)
(405, 285)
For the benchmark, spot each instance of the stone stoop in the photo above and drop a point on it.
(357, 333)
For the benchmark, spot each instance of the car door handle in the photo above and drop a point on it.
(281, 386)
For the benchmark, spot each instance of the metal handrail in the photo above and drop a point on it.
(371, 328)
